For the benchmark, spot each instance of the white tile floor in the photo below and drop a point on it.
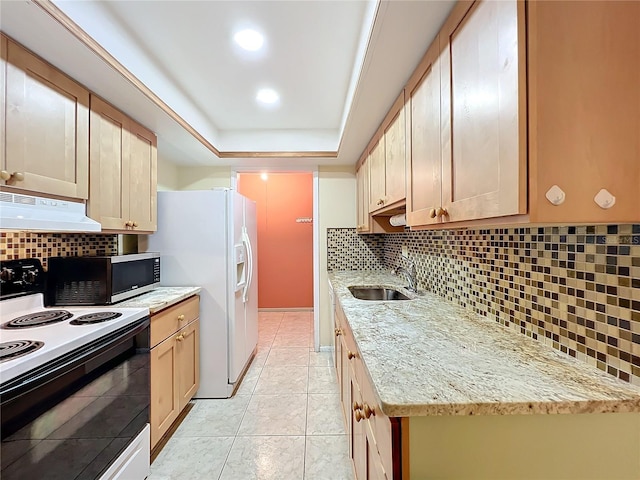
(284, 422)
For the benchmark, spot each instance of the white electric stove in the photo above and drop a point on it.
(25, 343)
(74, 384)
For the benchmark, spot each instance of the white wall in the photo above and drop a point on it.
(203, 178)
(167, 174)
(337, 209)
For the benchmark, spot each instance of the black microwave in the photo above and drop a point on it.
(100, 280)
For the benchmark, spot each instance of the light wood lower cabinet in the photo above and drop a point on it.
(372, 435)
(471, 447)
(164, 398)
(188, 362)
(175, 363)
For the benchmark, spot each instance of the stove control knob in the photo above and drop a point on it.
(6, 274)
(30, 276)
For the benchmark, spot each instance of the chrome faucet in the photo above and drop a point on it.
(411, 274)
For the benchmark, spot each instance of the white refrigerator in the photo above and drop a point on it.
(208, 238)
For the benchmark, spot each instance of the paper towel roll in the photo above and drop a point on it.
(398, 220)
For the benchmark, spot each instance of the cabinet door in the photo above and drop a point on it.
(142, 179)
(188, 362)
(4, 45)
(337, 354)
(375, 469)
(358, 435)
(345, 388)
(424, 169)
(46, 130)
(165, 404)
(123, 171)
(395, 167)
(584, 97)
(362, 178)
(483, 111)
(109, 178)
(173, 318)
(377, 176)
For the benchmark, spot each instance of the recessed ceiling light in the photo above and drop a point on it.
(264, 176)
(267, 96)
(249, 39)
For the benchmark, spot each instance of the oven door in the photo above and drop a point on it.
(74, 417)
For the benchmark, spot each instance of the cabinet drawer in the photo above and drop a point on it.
(172, 319)
(348, 337)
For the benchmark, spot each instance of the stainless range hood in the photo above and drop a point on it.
(26, 212)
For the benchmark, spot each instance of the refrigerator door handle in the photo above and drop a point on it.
(247, 245)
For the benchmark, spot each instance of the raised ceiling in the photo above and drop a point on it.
(337, 65)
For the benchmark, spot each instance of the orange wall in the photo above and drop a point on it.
(285, 247)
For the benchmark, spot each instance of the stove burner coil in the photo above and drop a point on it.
(95, 318)
(37, 319)
(18, 348)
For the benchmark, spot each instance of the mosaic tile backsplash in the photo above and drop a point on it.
(576, 289)
(347, 250)
(14, 245)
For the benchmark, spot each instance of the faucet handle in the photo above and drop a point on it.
(412, 266)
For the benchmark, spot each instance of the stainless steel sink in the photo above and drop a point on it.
(377, 293)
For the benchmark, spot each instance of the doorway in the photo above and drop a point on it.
(285, 238)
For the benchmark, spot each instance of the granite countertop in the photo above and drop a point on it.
(161, 298)
(426, 356)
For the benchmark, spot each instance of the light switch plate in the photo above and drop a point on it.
(405, 251)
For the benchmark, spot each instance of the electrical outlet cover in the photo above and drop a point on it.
(405, 251)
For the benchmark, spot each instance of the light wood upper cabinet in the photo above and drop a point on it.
(395, 152)
(483, 111)
(123, 171)
(424, 162)
(539, 123)
(362, 192)
(377, 173)
(45, 126)
(387, 152)
(4, 45)
(584, 110)
(143, 178)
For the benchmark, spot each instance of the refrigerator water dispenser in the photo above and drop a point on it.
(241, 266)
